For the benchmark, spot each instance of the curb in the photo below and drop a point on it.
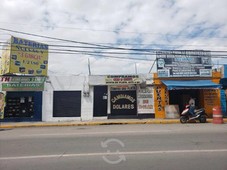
(95, 123)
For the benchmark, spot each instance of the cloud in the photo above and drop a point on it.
(162, 24)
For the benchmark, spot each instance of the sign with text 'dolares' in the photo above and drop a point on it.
(25, 58)
(123, 103)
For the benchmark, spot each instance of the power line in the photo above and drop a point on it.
(69, 51)
(142, 51)
(72, 41)
(117, 32)
(104, 47)
(91, 44)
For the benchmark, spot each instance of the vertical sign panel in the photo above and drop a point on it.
(145, 97)
(2, 104)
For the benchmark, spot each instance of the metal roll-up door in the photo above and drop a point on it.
(67, 104)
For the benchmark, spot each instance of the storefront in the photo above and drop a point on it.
(178, 92)
(183, 75)
(67, 98)
(22, 99)
(123, 101)
(23, 70)
(122, 96)
(223, 82)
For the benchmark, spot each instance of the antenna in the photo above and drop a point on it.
(89, 67)
(152, 66)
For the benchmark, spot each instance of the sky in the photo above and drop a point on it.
(81, 27)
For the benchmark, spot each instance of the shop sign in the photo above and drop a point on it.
(25, 57)
(145, 97)
(159, 98)
(22, 83)
(184, 63)
(122, 79)
(123, 102)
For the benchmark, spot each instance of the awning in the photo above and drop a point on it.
(190, 84)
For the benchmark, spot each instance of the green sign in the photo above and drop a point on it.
(22, 83)
(22, 86)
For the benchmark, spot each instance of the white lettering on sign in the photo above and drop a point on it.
(123, 106)
(123, 96)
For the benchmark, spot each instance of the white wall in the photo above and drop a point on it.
(67, 83)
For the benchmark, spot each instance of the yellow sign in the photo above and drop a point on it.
(27, 57)
(5, 59)
(2, 104)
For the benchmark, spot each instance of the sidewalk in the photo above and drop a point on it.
(92, 122)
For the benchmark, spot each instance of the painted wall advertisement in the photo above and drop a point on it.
(22, 83)
(145, 100)
(2, 104)
(25, 57)
(211, 99)
(123, 103)
(161, 99)
(184, 63)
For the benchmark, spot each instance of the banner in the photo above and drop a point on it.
(22, 83)
(182, 63)
(25, 57)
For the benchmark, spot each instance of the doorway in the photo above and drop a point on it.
(182, 97)
(100, 101)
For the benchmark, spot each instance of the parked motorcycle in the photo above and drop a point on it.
(199, 114)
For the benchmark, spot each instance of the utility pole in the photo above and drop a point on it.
(89, 67)
(135, 68)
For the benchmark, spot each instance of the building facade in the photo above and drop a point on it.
(182, 75)
(21, 98)
(68, 98)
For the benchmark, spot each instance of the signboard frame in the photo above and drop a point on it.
(19, 83)
(184, 63)
(122, 79)
(145, 100)
(25, 57)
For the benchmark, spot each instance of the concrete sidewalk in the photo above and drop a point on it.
(93, 122)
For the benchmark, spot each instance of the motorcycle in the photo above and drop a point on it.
(199, 114)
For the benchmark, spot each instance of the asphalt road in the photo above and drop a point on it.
(174, 146)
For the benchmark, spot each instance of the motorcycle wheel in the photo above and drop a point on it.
(183, 119)
(203, 119)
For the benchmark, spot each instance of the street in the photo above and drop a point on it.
(160, 146)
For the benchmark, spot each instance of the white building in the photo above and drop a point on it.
(69, 98)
